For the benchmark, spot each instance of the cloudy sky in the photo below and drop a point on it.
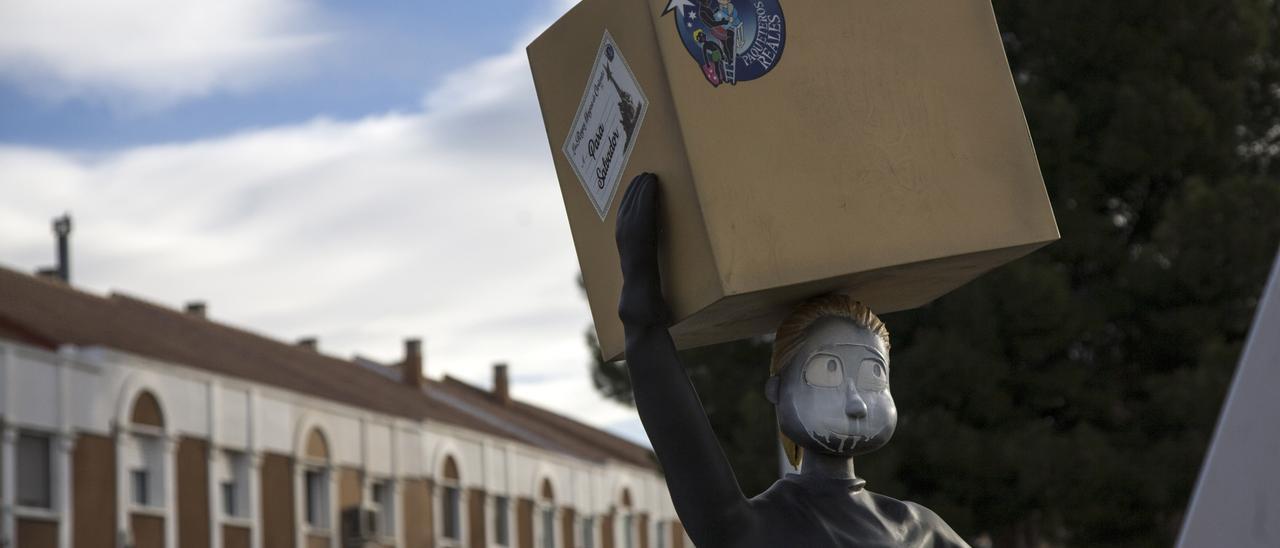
(358, 171)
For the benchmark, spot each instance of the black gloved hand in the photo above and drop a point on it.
(641, 303)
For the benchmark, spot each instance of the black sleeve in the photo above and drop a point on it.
(707, 498)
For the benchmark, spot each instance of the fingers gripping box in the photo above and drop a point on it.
(803, 146)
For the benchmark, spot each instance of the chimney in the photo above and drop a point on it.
(62, 228)
(197, 308)
(501, 385)
(309, 343)
(411, 367)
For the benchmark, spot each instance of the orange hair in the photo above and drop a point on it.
(791, 333)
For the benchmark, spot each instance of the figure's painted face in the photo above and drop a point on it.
(834, 396)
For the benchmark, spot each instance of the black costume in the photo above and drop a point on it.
(798, 510)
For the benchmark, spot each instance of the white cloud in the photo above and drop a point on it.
(445, 223)
(151, 52)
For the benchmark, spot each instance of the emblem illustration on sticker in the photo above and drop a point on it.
(731, 40)
(604, 130)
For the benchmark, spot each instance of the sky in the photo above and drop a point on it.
(360, 172)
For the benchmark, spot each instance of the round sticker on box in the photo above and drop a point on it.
(731, 40)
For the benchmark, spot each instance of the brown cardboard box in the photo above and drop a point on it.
(883, 153)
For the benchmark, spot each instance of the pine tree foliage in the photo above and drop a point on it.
(1069, 397)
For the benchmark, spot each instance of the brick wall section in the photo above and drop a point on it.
(642, 530)
(193, 493)
(476, 517)
(350, 489)
(94, 495)
(317, 541)
(524, 523)
(568, 533)
(277, 501)
(677, 535)
(234, 536)
(37, 533)
(417, 513)
(148, 530)
(606, 530)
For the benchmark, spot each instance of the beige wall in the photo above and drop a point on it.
(193, 493)
(94, 493)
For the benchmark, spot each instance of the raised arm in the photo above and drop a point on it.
(706, 493)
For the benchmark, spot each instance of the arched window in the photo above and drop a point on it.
(450, 504)
(546, 515)
(315, 480)
(144, 457)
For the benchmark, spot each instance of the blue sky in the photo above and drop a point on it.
(372, 56)
(360, 172)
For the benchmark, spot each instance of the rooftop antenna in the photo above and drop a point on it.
(61, 272)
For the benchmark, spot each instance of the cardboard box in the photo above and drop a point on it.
(804, 147)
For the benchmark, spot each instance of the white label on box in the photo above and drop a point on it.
(605, 129)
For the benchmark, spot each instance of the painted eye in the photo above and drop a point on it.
(872, 376)
(824, 371)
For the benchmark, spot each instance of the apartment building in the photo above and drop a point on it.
(128, 424)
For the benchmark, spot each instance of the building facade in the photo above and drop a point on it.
(128, 424)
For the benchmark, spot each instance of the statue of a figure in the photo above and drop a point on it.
(830, 383)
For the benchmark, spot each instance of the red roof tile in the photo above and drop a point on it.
(48, 314)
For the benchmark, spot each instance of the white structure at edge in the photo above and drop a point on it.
(1237, 499)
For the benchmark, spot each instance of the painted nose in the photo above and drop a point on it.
(854, 406)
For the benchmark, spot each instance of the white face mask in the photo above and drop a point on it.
(834, 396)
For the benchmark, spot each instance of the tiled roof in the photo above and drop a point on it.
(542, 427)
(48, 314)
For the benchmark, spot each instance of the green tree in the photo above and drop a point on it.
(1069, 397)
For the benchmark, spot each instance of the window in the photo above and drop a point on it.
(145, 462)
(661, 535)
(548, 527)
(380, 502)
(451, 512)
(140, 478)
(145, 458)
(229, 503)
(501, 516)
(316, 482)
(546, 516)
(35, 478)
(589, 532)
(233, 482)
